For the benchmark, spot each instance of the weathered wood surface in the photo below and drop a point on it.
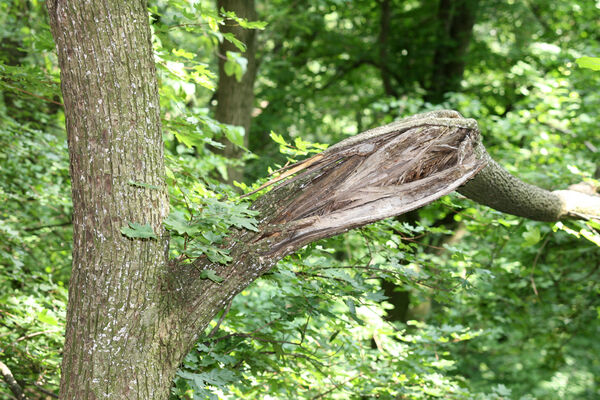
(380, 173)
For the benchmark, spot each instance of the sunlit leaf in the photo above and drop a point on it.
(138, 231)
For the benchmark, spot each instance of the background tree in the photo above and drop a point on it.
(235, 94)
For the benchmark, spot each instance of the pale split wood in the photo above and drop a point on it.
(377, 174)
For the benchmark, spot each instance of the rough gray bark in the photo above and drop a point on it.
(116, 324)
(235, 100)
(497, 188)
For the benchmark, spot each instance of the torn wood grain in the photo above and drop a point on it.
(377, 174)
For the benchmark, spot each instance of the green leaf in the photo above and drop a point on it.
(502, 390)
(188, 138)
(46, 318)
(277, 138)
(253, 24)
(236, 64)
(214, 254)
(238, 73)
(531, 236)
(176, 221)
(231, 37)
(210, 274)
(235, 134)
(593, 237)
(212, 237)
(334, 335)
(301, 144)
(592, 63)
(352, 310)
(229, 67)
(138, 231)
(243, 22)
(183, 53)
(241, 222)
(593, 224)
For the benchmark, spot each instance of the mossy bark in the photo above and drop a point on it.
(495, 187)
(498, 189)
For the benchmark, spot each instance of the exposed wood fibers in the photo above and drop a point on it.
(378, 174)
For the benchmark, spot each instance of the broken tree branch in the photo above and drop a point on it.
(396, 168)
(378, 174)
(497, 188)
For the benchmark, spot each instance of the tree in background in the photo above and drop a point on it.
(237, 72)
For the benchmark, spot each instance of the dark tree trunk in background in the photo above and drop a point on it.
(399, 298)
(235, 100)
(456, 19)
(384, 32)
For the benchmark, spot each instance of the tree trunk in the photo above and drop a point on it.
(235, 100)
(382, 41)
(116, 319)
(456, 20)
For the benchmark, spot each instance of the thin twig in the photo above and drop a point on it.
(225, 311)
(395, 274)
(336, 386)
(245, 334)
(46, 391)
(260, 339)
(55, 225)
(304, 329)
(33, 94)
(185, 25)
(300, 273)
(362, 233)
(29, 336)
(297, 355)
(535, 260)
(10, 380)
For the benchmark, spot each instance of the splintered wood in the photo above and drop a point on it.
(378, 174)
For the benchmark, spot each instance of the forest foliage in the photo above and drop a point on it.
(452, 301)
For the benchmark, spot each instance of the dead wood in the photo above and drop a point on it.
(380, 173)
